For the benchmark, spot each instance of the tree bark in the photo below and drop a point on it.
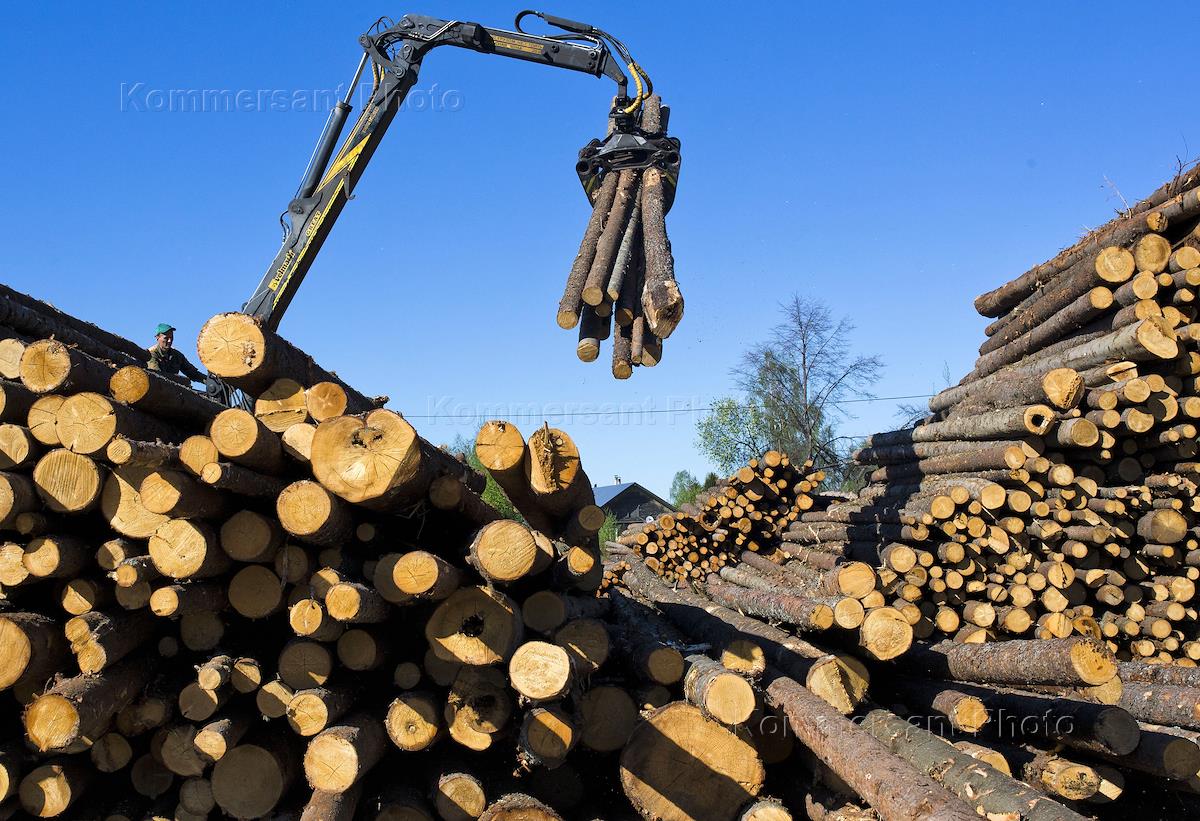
(569, 305)
(894, 788)
(77, 710)
(1070, 661)
(159, 396)
(991, 792)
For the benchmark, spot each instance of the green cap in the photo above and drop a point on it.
(163, 328)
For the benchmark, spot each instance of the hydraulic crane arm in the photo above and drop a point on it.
(394, 55)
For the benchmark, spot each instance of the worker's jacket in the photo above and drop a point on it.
(171, 362)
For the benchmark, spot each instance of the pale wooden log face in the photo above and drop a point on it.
(325, 400)
(231, 345)
(659, 781)
(282, 405)
(363, 459)
(121, 504)
(68, 482)
(474, 626)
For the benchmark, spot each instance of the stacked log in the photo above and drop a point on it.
(749, 511)
(1050, 493)
(622, 282)
(1038, 534)
(1025, 728)
(201, 618)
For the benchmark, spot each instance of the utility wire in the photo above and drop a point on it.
(465, 417)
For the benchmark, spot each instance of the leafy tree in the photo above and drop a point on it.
(796, 384)
(711, 479)
(492, 494)
(608, 531)
(733, 432)
(684, 488)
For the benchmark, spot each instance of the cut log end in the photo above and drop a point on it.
(721, 774)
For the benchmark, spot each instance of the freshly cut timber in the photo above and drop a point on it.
(622, 282)
(50, 366)
(721, 775)
(1021, 574)
(378, 460)
(165, 398)
(237, 348)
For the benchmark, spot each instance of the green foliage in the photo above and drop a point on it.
(684, 488)
(734, 432)
(492, 494)
(796, 385)
(608, 530)
(710, 480)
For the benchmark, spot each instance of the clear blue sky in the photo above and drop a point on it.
(894, 160)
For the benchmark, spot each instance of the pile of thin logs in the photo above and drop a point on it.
(622, 282)
(748, 511)
(1039, 534)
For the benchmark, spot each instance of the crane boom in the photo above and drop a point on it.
(394, 56)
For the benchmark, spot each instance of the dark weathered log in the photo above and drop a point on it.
(568, 307)
(1069, 661)
(894, 788)
(1169, 674)
(1169, 704)
(991, 792)
(804, 614)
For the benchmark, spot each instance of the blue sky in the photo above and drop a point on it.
(894, 161)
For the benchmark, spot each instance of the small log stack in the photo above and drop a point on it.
(748, 511)
(622, 282)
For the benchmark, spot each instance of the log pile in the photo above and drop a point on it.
(748, 511)
(308, 612)
(1052, 491)
(622, 283)
(1038, 532)
(1025, 729)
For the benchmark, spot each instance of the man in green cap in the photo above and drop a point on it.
(168, 361)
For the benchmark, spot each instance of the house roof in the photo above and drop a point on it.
(607, 493)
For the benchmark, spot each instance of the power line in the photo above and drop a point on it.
(467, 417)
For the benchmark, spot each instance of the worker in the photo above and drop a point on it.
(168, 361)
